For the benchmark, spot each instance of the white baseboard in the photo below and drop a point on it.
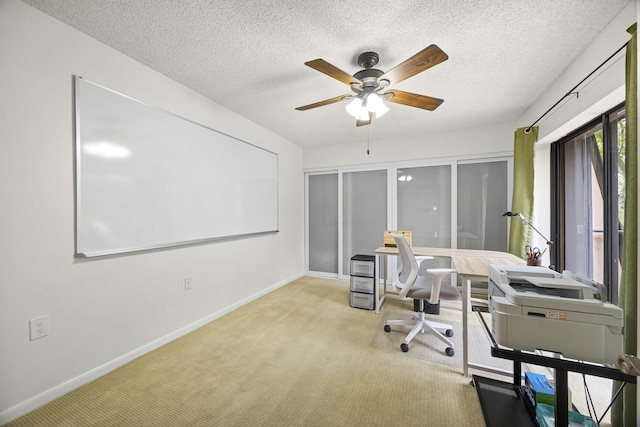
(47, 396)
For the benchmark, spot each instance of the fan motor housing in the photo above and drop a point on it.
(368, 76)
(368, 59)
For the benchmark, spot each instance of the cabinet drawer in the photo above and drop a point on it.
(362, 268)
(362, 284)
(359, 300)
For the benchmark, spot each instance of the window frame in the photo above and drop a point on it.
(392, 190)
(612, 241)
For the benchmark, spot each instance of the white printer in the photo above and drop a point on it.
(538, 308)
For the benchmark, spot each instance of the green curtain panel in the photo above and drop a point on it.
(623, 413)
(522, 201)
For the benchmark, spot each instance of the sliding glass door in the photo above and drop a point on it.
(364, 213)
(450, 204)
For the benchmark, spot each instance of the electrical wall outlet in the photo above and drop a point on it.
(187, 284)
(38, 328)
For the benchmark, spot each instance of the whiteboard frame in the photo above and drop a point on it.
(78, 144)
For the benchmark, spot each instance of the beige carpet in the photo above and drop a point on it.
(299, 356)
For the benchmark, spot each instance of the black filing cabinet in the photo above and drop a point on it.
(363, 269)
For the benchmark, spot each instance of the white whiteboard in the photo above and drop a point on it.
(147, 179)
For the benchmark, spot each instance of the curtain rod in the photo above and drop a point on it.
(528, 129)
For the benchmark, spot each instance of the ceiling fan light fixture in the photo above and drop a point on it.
(376, 105)
(354, 107)
(358, 109)
(363, 115)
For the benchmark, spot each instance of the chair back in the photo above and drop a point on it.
(408, 271)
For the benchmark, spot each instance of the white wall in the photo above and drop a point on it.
(602, 91)
(104, 312)
(461, 142)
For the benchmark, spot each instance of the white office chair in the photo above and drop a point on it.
(426, 295)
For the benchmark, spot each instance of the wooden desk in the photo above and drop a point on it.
(469, 264)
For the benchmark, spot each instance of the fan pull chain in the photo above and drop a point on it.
(368, 132)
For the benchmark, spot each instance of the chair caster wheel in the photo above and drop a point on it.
(404, 347)
(449, 333)
(387, 328)
(450, 351)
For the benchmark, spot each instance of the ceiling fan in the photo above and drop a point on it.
(369, 83)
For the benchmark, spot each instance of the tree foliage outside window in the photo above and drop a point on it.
(621, 137)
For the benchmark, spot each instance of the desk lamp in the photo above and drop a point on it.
(525, 222)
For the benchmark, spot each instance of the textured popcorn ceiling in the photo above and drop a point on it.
(249, 55)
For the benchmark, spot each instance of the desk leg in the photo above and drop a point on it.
(466, 294)
(562, 398)
(466, 309)
(384, 279)
(379, 300)
(376, 283)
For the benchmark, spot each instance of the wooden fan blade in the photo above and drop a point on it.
(423, 60)
(364, 122)
(414, 100)
(321, 103)
(332, 71)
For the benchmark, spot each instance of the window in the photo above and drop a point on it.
(448, 203)
(588, 200)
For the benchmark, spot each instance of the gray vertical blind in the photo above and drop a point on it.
(482, 199)
(147, 179)
(323, 223)
(424, 204)
(364, 213)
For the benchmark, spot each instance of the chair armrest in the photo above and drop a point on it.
(438, 274)
(421, 258)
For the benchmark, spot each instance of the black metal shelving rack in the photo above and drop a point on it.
(503, 404)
